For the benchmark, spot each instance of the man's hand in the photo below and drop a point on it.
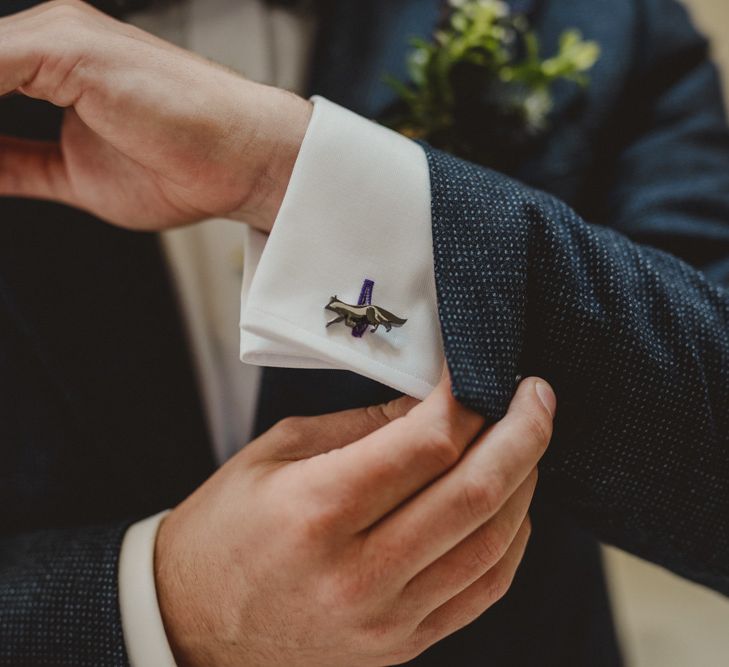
(327, 542)
(153, 136)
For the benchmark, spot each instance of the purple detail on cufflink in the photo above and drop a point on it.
(365, 299)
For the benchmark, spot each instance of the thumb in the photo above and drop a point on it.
(33, 169)
(356, 424)
(299, 438)
(530, 416)
(534, 395)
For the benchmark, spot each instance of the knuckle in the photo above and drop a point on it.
(481, 497)
(496, 590)
(348, 593)
(409, 651)
(65, 10)
(527, 527)
(427, 634)
(399, 407)
(289, 429)
(381, 631)
(379, 414)
(388, 635)
(353, 593)
(438, 446)
(324, 516)
(381, 562)
(488, 548)
(378, 625)
(318, 520)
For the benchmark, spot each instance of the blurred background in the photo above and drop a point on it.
(665, 621)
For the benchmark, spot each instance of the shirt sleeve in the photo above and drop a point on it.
(144, 632)
(357, 209)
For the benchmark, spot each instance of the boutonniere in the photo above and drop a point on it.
(480, 89)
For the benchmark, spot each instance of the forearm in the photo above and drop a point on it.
(58, 598)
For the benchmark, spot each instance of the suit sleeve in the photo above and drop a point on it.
(59, 600)
(630, 323)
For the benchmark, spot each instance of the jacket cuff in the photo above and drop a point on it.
(59, 597)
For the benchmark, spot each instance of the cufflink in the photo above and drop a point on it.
(359, 317)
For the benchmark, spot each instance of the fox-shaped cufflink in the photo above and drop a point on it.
(361, 316)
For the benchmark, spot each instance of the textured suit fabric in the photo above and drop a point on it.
(61, 583)
(100, 421)
(634, 339)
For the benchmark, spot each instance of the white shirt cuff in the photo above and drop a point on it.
(357, 207)
(144, 632)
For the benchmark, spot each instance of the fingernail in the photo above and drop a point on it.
(547, 397)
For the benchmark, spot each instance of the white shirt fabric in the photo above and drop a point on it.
(357, 206)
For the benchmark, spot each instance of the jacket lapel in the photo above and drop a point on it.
(360, 43)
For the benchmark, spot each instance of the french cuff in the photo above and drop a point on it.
(357, 208)
(144, 632)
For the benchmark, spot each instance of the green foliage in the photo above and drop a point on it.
(484, 45)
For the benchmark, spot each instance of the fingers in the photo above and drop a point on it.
(30, 51)
(467, 606)
(383, 469)
(32, 169)
(473, 557)
(298, 438)
(46, 6)
(457, 504)
(43, 48)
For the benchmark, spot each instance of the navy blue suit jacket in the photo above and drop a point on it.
(610, 286)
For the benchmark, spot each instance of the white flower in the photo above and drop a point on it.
(498, 8)
(537, 106)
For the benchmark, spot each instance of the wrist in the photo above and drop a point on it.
(201, 621)
(177, 612)
(282, 121)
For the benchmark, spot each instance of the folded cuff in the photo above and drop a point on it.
(144, 631)
(357, 208)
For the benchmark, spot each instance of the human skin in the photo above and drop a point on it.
(153, 136)
(359, 538)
